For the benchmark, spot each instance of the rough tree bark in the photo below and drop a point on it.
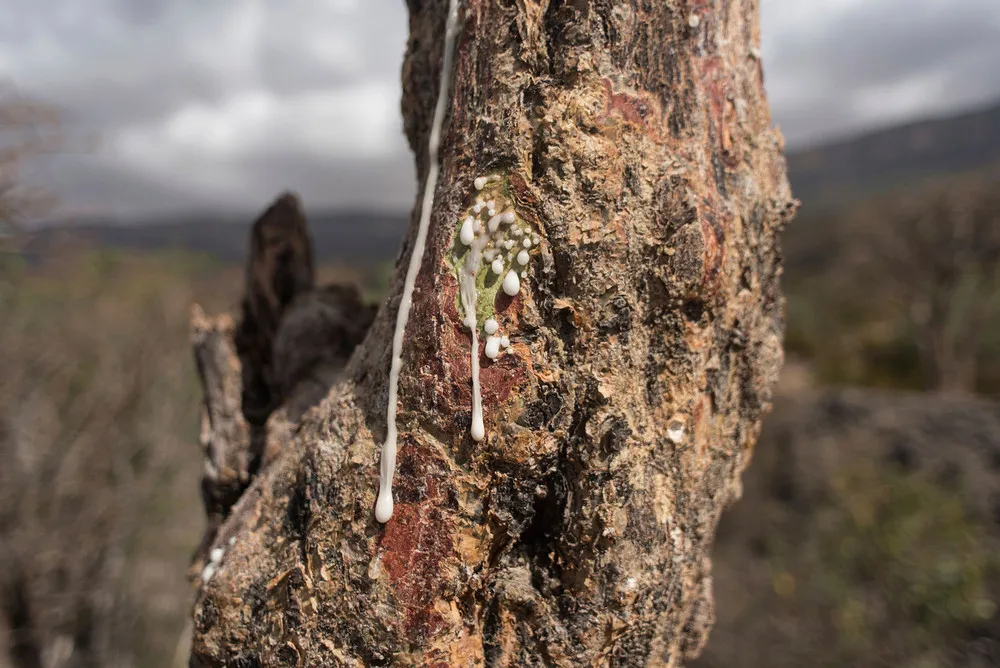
(634, 139)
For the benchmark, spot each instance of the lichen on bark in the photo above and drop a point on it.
(637, 142)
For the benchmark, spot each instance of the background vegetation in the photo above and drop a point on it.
(868, 532)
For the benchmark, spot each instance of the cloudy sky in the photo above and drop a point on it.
(222, 103)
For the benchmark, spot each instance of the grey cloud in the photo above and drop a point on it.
(89, 186)
(880, 42)
(108, 103)
(283, 72)
(132, 65)
(382, 184)
(120, 64)
(824, 67)
(140, 13)
(122, 67)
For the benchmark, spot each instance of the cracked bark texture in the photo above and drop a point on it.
(635, 138)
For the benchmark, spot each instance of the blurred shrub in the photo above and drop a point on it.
(99, 509)
(99, 459)
(896, 568)
(904, 291)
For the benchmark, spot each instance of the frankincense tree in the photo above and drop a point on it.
(564, 383)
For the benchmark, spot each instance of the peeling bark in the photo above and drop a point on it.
(635, 139)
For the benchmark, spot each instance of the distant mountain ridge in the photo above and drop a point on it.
(347, 237)
(825, 178)
(832, 175)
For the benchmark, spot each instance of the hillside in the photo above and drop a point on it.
(866, 535)
(348, 237)
(827, 177)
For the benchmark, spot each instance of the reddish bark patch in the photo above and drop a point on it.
(418, 540)
(634, 109)
(465, 64)
(702, 415)
(421, 343)
(716, 87)
(527, 205)
(499, 378)
(454, 354)
(715, 82)
(715, 249)
(504, 303)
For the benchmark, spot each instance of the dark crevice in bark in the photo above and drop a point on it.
(25, 651)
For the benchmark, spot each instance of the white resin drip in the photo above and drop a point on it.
(469, 297)
(492, 348)
(383, 506)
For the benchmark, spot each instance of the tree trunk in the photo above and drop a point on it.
(633, 140)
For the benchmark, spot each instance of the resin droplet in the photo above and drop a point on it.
(526, 243)
(491, 326)
(522, 257)
(478, 429)
(504, 342)
(468, 233)
(492, 347)
(511, 283)
(497, 266)
(508, 217)
(480, 182)
(675, 431)
(383, 507)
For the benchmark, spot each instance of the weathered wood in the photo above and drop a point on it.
(634, 139)
(225, 433)
(259, 376)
